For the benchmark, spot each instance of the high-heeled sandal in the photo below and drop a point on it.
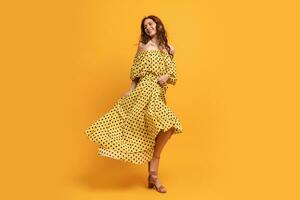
(152, 179)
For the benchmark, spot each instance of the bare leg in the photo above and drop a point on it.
(160, 141)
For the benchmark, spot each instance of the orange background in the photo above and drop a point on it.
(65, 63)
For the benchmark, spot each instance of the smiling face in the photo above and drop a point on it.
(150, 27)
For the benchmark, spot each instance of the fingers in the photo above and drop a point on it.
(125, 94)
(162, 81)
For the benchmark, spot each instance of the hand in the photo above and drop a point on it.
(126, 94)
(162, 80)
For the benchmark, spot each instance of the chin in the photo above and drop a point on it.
(151, 35)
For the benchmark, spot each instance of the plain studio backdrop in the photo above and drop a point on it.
(65, 63)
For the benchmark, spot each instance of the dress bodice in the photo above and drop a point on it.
(152, 64)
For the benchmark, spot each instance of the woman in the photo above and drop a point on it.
(140, 123)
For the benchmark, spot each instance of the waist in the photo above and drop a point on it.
(152, 78)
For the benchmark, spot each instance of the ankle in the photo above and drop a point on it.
(153, 175)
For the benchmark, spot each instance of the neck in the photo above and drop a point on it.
(154, 40)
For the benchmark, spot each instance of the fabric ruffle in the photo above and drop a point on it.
(128, 130)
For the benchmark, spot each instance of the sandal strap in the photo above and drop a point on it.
(161, 187)
(153, 173)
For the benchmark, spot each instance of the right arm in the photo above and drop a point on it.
(140, 48)
(136, 80)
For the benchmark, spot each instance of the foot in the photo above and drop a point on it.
(153, 180)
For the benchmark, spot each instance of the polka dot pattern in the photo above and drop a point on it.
(128, 130)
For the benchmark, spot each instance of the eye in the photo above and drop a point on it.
(150, 23)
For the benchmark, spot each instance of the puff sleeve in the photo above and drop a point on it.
(138, 66)
(171, 70)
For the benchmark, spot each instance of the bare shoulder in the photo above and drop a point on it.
(141, 47)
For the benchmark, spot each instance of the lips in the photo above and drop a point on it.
(149, 31)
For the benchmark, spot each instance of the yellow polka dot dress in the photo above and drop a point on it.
(127, 132)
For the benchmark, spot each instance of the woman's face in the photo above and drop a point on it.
(150, 27)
